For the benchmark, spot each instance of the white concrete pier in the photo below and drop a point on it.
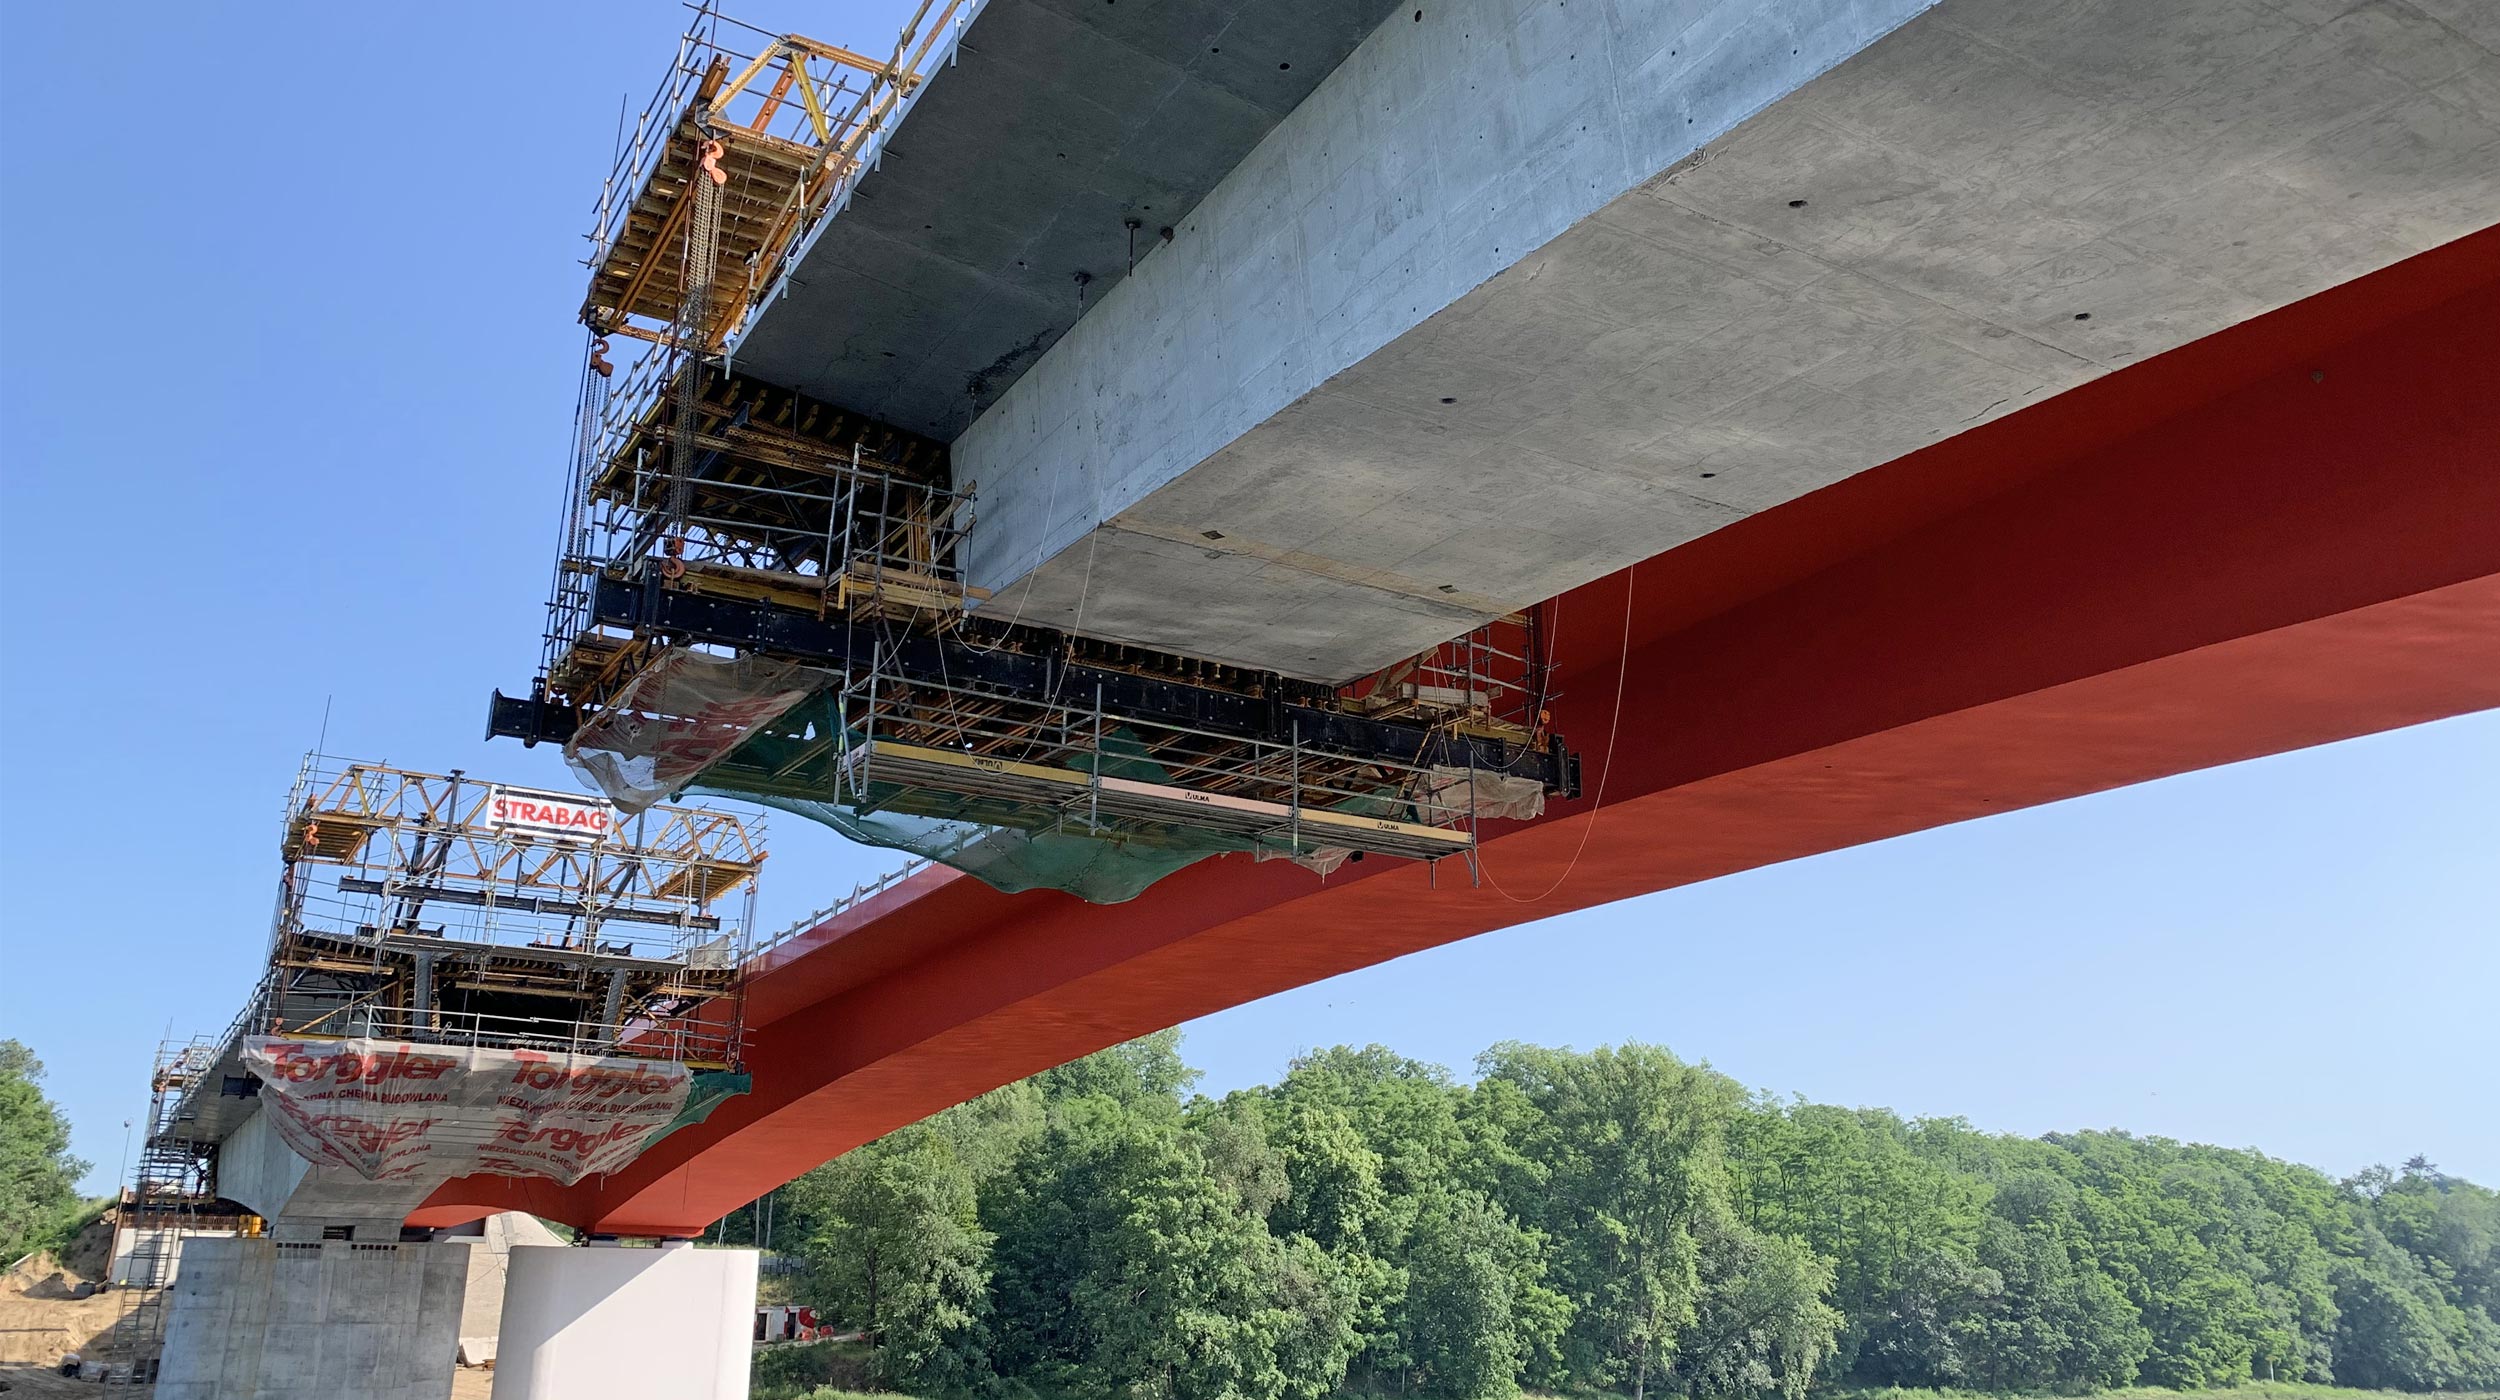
(613, 1323)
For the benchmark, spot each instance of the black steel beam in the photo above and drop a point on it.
(1269, 718)
(531, 904)
(520, 717)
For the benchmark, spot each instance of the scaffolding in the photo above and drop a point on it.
(757, 136)
(788, 500)
(747, 142)
(970, 752)
(438, 908)
(761, 595)
(171, 1196)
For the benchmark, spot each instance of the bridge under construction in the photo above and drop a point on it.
(1247, 489)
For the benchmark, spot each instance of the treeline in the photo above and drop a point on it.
(1617, 1221)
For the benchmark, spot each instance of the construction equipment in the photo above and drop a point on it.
(761, 595)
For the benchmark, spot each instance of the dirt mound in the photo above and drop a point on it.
(90, 1253)
(42, 1312)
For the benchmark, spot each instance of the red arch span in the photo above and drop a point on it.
(2281, 535)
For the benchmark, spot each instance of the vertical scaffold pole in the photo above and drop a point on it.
(1295, 837)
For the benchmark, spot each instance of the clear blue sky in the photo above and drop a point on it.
(284, 385)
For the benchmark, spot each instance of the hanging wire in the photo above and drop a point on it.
(1623, 669)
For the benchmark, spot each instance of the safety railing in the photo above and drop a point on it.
(860, 894)
(688, 1038)
(827, 104)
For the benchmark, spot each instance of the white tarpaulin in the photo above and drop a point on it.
(1449, 796)
(389, 1110)
(683, 714)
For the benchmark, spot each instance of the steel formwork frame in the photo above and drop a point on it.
(727, 116)
(415, 907)
(747, 490)
(691, 485)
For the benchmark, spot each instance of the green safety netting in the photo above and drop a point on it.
(709, 1090)
(793, 765)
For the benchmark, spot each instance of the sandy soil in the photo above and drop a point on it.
(25, 1379)
(40, 1318)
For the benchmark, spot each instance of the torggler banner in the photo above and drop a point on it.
(389, 1110)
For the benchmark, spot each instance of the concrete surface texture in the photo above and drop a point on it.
(258, 1319)
(258, 1171)
(611, 1323)
(1049, 126)
(490, 1268)
(1507, 304)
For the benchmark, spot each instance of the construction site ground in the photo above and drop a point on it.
(27, 1381)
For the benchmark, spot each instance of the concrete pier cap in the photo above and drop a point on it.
(1528, 290)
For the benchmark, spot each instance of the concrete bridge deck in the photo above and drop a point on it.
(1523, 291)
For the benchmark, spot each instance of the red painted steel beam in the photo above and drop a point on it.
(2285, 534)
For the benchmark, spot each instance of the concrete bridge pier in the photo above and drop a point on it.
(333, 1303)
(270, 1319)
(612, 1323)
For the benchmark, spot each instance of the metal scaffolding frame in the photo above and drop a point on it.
(438, 908)
(733, 552)
(781, 126)
(172, 1193)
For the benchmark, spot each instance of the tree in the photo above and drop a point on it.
(1761, 1323)
(1616, 1221)
(38, 1177)
(1146, 1074)
(900, 1252)
(1476, 1314)
(1126, 1268)
(1633, 1144)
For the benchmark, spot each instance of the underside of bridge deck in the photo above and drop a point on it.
(2277, 536)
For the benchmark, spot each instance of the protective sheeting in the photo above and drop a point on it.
(1445, 795)
(683, 714)
(1319, 860)
(394, 1110)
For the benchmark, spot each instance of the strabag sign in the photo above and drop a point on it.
(548, 816)
(393, 1111)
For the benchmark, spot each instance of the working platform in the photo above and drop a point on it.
(1078, 795)
(745, 490)
(435, 907)
(1023, 755)
(747, 141)
(762, 594)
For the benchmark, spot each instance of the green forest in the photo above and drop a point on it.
(1613, 1222)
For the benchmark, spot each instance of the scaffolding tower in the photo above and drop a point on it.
(171, 1193)
(439, 908)
(747, 141)
(760, 594)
